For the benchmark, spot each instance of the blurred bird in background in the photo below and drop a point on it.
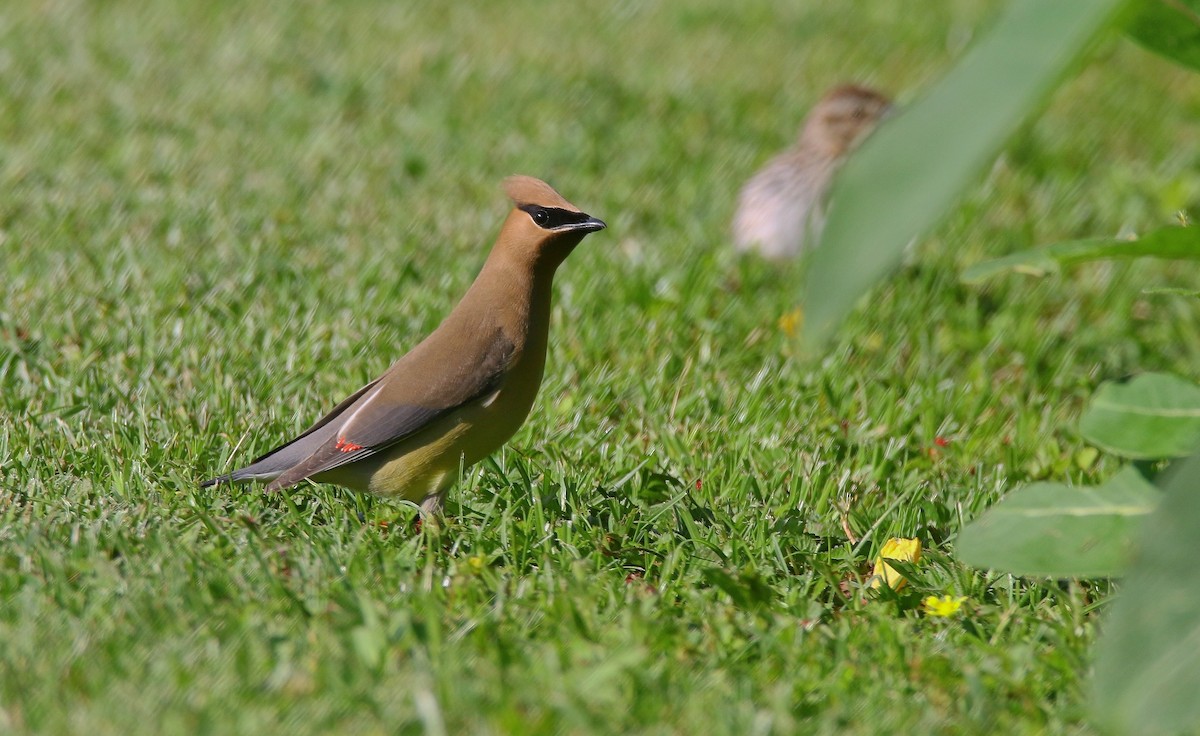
(463, 391)
(781, 208)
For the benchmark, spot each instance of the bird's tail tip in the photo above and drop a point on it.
(219, 480)
(240, 476)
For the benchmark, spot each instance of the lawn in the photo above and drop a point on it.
(218, 218)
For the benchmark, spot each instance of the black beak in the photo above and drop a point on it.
(590, 225)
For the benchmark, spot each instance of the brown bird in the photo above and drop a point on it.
(782, 206)
(464, 390)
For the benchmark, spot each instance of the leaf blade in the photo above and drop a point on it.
(1170, 28)
(914, 168)
(1169, 242)
(1155, 415)
(1146, 678)
(1053, 530)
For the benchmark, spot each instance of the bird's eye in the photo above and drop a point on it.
(541, 217)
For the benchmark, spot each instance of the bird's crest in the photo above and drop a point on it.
(526, 190)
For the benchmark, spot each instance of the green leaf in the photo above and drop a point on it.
(1168, 242)
(1147, 677)
(1061, 531)
(1155, 415)
(917, 165)
(1170, 28)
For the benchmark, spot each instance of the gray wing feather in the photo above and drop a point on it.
(294, 451)
(374, 425)
(330, 453)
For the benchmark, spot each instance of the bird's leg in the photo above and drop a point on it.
(431, 510)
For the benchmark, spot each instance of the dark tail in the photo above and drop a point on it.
(290, 454)
(282, 458)
(264, 468)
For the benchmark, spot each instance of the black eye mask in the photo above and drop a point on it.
(550, 218)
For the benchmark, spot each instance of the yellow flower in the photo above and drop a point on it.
(896, 548)
(475, 563)
(944, 606)
(791, 322)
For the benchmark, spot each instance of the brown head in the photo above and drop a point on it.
(842, 118)
(542, 227)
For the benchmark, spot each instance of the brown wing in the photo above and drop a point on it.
(391, 412)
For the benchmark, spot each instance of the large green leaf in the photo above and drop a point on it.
(1155, 415)
(1147, 678)
(1170, 28)
(916, 166)
(1061, 531)
(1169, 242)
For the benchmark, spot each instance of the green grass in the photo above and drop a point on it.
(216, 219)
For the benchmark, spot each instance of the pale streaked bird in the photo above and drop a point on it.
(781, 208)
(463, 391)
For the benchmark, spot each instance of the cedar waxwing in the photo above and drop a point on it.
(781, 206)
(463, 391)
